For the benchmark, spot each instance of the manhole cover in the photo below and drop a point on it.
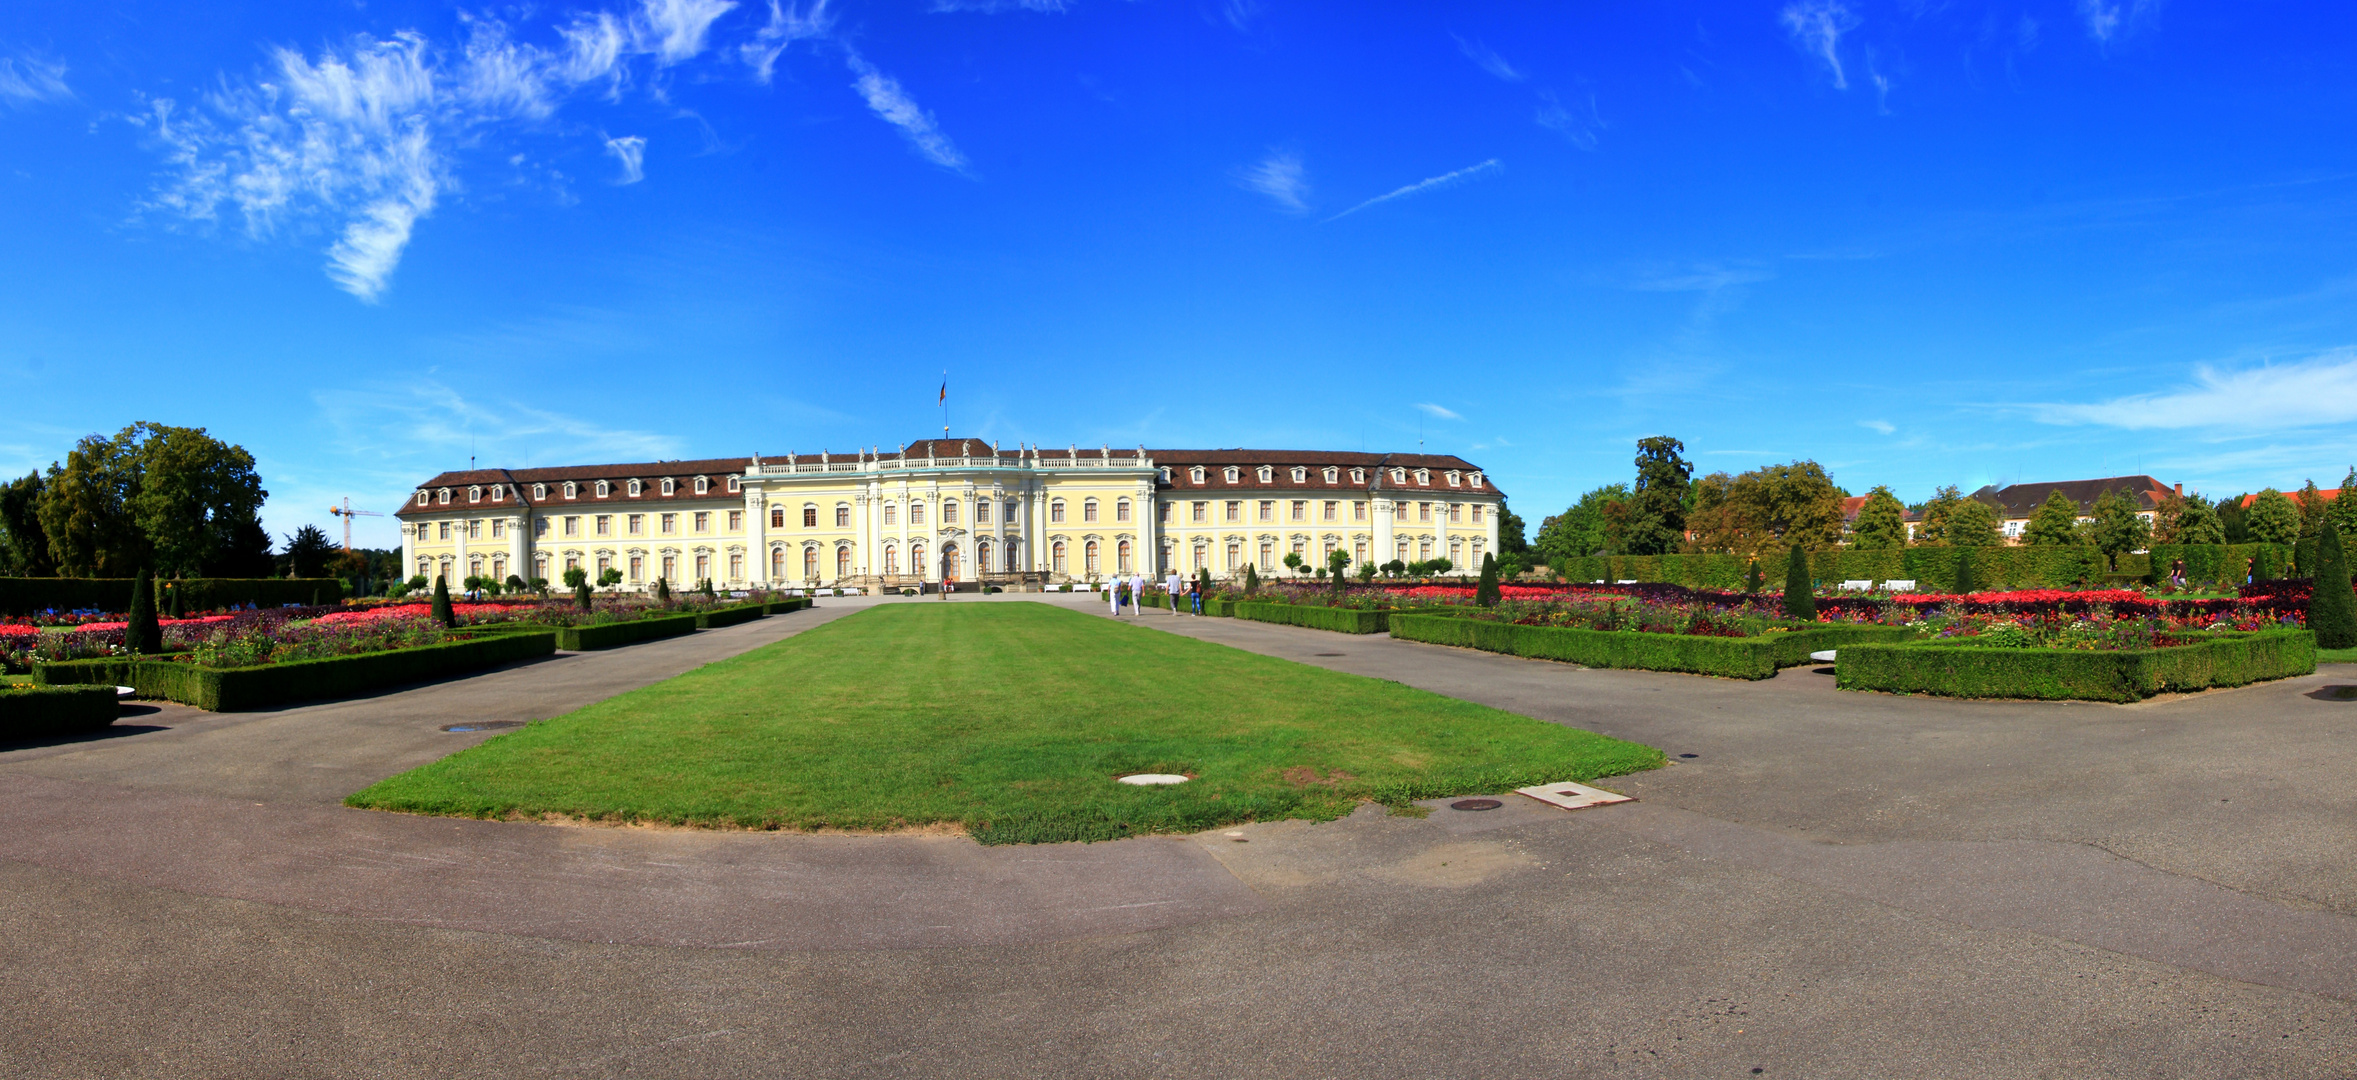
(2334, 693)
(482, 725)
(1149, 779)
(1475, 804)
(1689, 755)
(1327, 654)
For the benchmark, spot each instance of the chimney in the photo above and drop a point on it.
(2180, 491)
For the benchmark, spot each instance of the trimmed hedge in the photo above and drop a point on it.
(2076, 674)
(1225, 609)
(1733, 658)
(780, 607)
(1338, 620)
(38, 712)
(238, 689)
(24, 596)
(613, 635)
(730, 616)
(1933, 567)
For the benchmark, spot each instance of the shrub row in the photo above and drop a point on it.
(1933, 568)
(2076, 674)
(730, 616)
(791, 603)
(238, 689)
(24, 596)
(1225, 609)
(611, 635)
(1338, 620)
(1734, 658)
(38, 712)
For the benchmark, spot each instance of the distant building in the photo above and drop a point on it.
(2014, 503)
(2293, 494)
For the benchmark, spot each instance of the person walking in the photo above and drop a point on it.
(1137, 592)
(1175, 587)
(1195, 596)
(1117, 594)
(2177, 573)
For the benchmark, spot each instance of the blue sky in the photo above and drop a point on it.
(1920, 242)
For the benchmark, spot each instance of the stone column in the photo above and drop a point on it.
(519, 547)
(864, 530)
(757, 535)
(408, 549)
(458, 554)
(1490, 545)
(1384, 550)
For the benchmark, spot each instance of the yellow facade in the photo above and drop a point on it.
(951, 509)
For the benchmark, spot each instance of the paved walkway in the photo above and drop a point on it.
(1833, 885)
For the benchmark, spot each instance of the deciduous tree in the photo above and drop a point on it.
(2054, 522)
(2118, 528)
(1882, 522)
(1656, 515)
(2272, 518)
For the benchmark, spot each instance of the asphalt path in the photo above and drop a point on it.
(1832, 884)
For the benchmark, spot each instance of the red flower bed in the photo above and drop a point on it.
(416, 611)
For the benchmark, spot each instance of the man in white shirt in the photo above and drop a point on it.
(1137, 593)
(1176, 588)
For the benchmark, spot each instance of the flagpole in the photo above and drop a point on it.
(945, 404)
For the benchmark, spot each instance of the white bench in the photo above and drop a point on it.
(1900, 584)
(1857, 586)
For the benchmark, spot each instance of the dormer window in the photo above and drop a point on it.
(669, 485)
(474, 494)
(1453, 477)
(1233, 474)
(734, 485)
(1332, 474)
(1473, 479)
(1266, 474)
(702, 485)
(1195, 474)
(498, 492)
(1399, 476)
(604, 489)
(443, 496)
(1358, 476)
(539, 492)
(1424, 477)
(1166, 475)
(635, 488)
(1300, 474)
(421, 498)
(572, 489)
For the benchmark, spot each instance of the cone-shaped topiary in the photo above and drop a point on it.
(1752, 578)
(170, 601)
(708, 593)
(1486, 593)
(141, 635)
(2332, 608)
(1800, 597)
(1964, 573)
(583, 598)
(663, 591)
(443, 613)
(1251, 579)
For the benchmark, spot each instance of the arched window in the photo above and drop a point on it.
(445, 496)
(539, 492)
(982, 552)
(1332, 474)
(1056, 557)
(1088, 511)
(1358, 476)
(1424, 477)
(733, 486)
(1267, 474)
(1089, 558)
(635, 488)
(1121, 555)
(572, 490)
(604, 489)
(1231, 475)
(703, 485)
(916, 559)
(1056, 511)
(1196, 474)
(670, 486)
(777, 564)
(475, 494)
(891, 559)
(1121, 510)
(1011, 565)
(810, 563)
(842, 563)
(498, 493)
(810, 515)
(1300, 474)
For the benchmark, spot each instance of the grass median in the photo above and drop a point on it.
(1011, 720)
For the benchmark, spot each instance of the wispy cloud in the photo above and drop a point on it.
(2108, 19)
(1702, 278)
(1816, 27)
(631, 152)
(1882, 426)
(1577, 121)
(30, 80)
(1470, 172)
(1488, 60)
(787, 24)
(1051, 7)
(2257, 400)
(1280, 177)
(1239, 13)
(892, 104)
(1437, 412)
(440, 424)
(677, 28)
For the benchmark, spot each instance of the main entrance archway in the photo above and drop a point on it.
(950, 570)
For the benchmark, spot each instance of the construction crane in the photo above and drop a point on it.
(347, 513)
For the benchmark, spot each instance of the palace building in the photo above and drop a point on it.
(959, 510)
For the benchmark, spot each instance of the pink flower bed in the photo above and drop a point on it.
(1508, 592)
(28, 629)
(415, 611)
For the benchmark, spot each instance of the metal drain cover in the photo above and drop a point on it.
(1329, 654)
(482, 725)
(1475, 804)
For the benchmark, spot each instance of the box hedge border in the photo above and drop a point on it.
(1734, 658)
(2076, 674)
(24, 596)
(730, 616)
(40, 712)
(240, 689)
(780, 607)
(1338, 620)
(614, 635)
(1933, 567)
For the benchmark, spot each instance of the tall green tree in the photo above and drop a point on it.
(2310, 500)
(307, 552)
(1657, 507)
(442, 611)
(2343, 508)
(1882, 522)
(1932, 528)
(1973, 523)
(2054, 522)
(24, 548)
(174, 497)
(194, 491)
(1582, 530)
(1486, 593)
(1511, 533)
(1800, 598)
(1789, 506)
(2332, 608)
(2272, 518)
(2233, 519)
(85, 508)
(141, 633)
(1967, 576)
(2118, 528)
(2196, 522)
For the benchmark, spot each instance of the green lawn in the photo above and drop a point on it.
(1010, 719)
(2336, 656)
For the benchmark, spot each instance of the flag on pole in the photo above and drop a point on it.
(945, 391)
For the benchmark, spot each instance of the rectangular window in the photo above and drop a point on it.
(1268, 510)
(1301, 509)
(638, 565)
(703, 521)
(949, 511)
(498, 528)
(1199, 512)
(572, 526)
(1088, 511)
(424, 531)
(1423, 511)
(605, 524)
(1235, 510)
(1358, 512)
(916, 513)
(1165, 513)
(1400, 511)
(1121, 510)
(736, 568)
(736, 521)
(1456, 511)
(474, 530)
(442, 530)
(1333, 511)
(891, 513)
(777, 517)
(1056, 511)
(1014, 517)
(540, 528)
(637, 524)
(982, 512)
(670, 523)
(842, 517)
(1477, 513)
